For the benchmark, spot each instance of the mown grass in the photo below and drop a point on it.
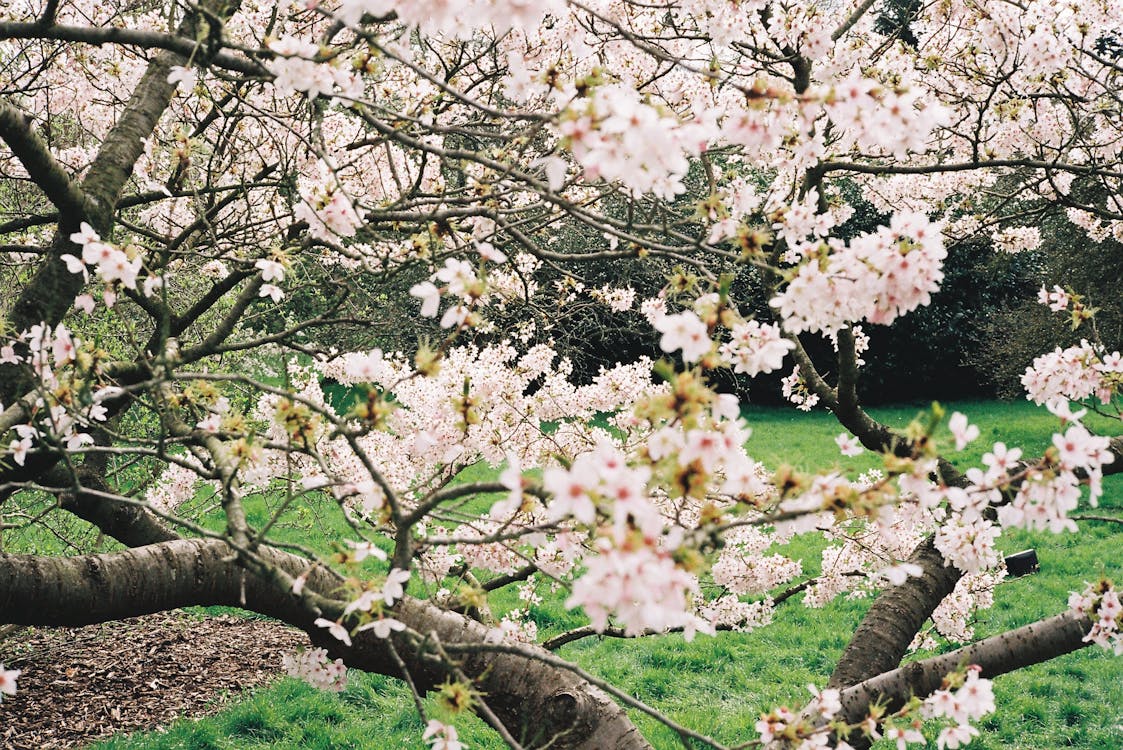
(720, 685)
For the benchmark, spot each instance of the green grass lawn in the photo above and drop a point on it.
(720, 685)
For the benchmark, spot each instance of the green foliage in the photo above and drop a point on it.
(1015, 333)
(895, 20)
(932, 353)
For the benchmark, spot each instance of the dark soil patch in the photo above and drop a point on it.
(81, 684)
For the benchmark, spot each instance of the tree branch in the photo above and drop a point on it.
(537, 702)
(999, 654)
(35, 155)
(181, 45)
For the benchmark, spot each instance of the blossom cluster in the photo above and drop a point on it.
(1100, 604)
(461, 19)
(685, 331)
(326, 207)
(462, 281)
(642, 588)
(963, 698)
(881, 119)
(972, 700)
(754, 348)
(1014, 240)
(53, 355)
(1047, 496)
(618, 137)
(877, 276)
(1074, 373)
(969, 545)
(112, 264)
(794, 389)
(314, 667)
(783, 722)
(295, 68)
(1058, 299)
(617, 299)
(743, 568)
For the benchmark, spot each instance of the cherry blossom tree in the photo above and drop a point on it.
(192, 196)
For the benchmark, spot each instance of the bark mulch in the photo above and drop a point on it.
(82, 684)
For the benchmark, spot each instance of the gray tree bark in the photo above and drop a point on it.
(999, 654)
(540, 705)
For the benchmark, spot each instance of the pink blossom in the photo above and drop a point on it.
(8, 679)
(393, 588)
(555, 168)
(362, 550)
(85, 303)
(441, 736)
(848, 445)
(19, 450)
(271, 270)
(488, 251)
(152, 284)
(120, 268)
(85, 235)
(1057, 300)
(774, 723)
(1001, 459)
(459, 275)
(904, 736)
(963, 432)
(75, 265)
(455, 316)
(183, 78)
(335, 628)
(956, 736)
(430, 297)
(826, 702)
(570, 495)
(272, 291)
(384, 626)
(684, 331)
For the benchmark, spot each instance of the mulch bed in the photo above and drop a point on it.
(82, 684)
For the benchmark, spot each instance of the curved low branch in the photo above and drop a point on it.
(538, 703)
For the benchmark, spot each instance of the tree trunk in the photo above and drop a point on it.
(894, 619)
